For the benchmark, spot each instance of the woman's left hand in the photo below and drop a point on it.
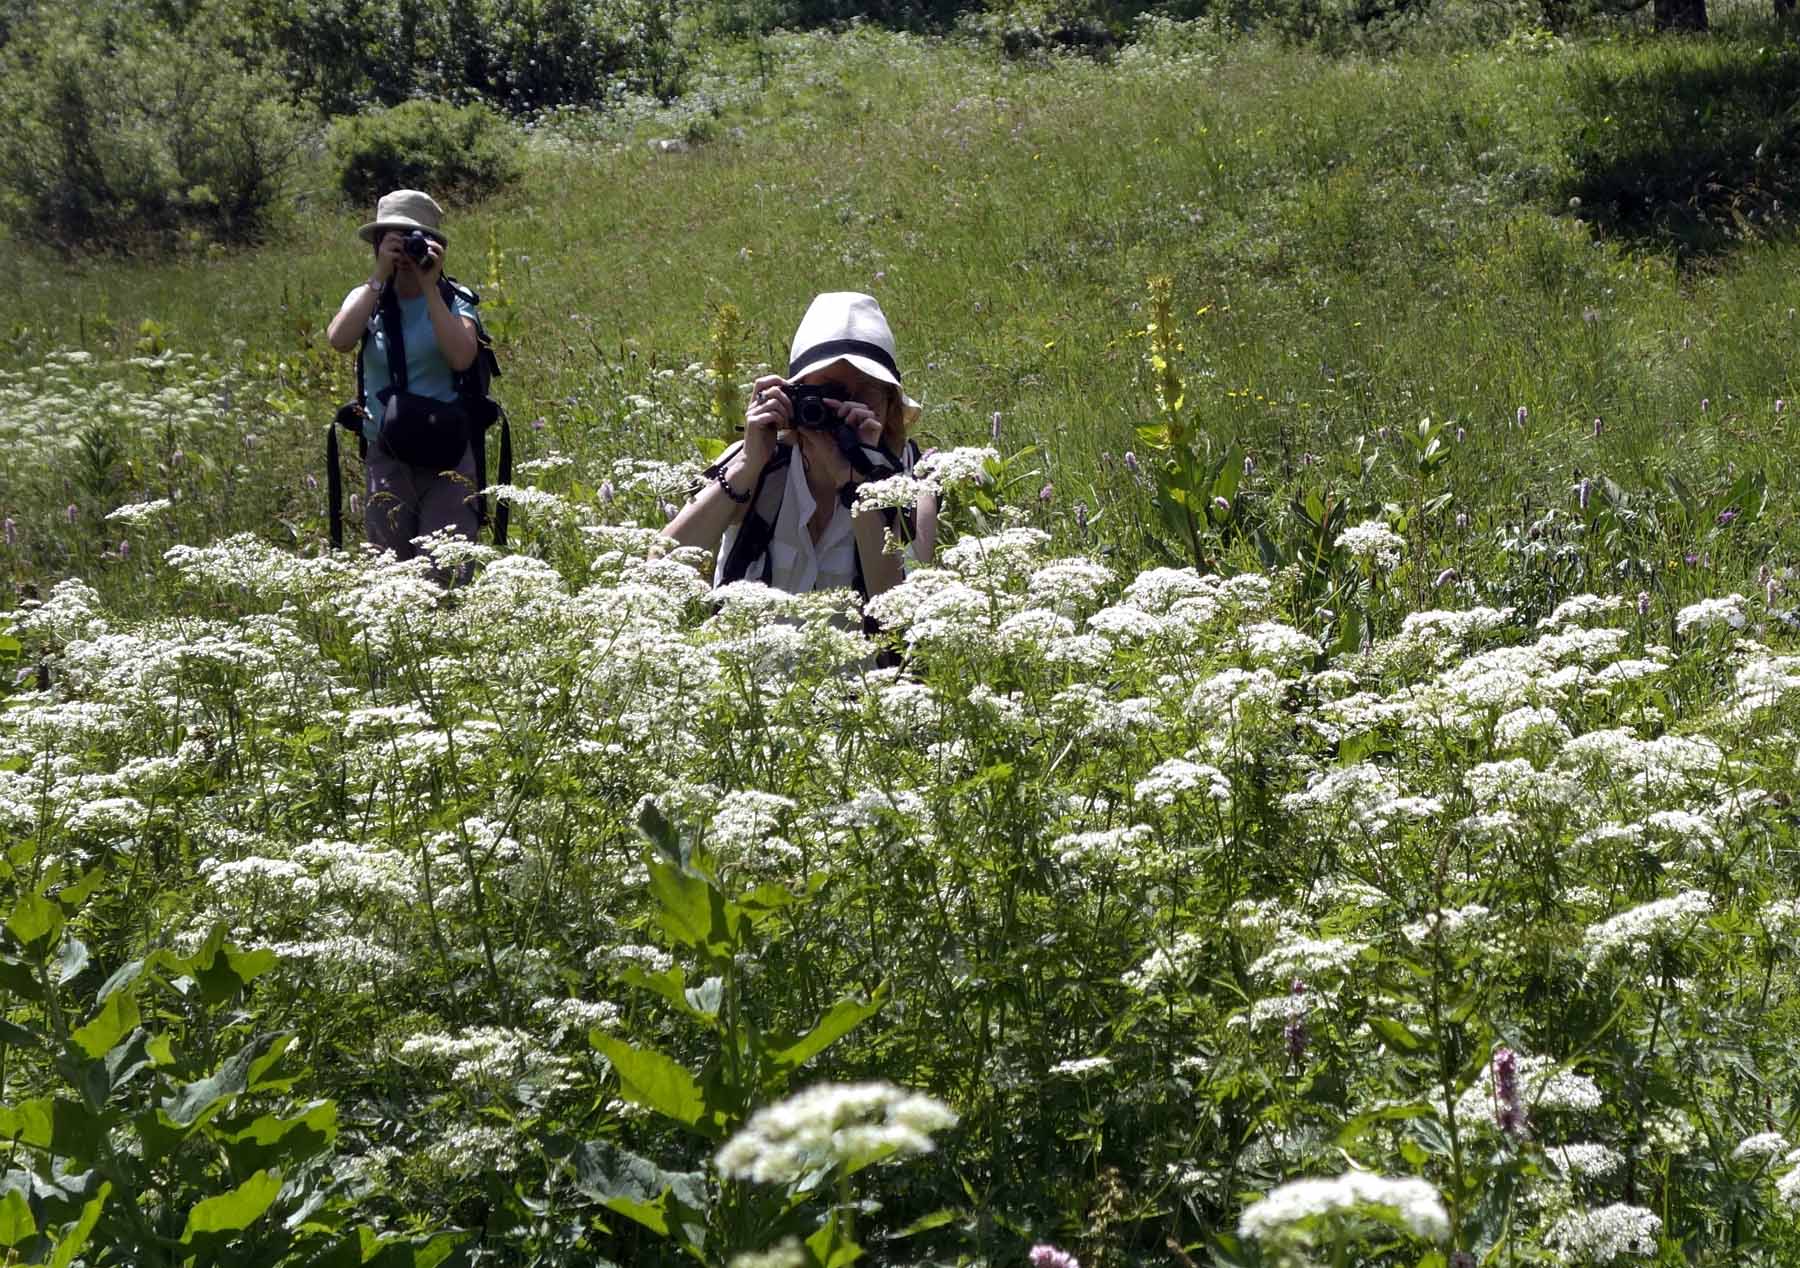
(434, 261)
(821, 448)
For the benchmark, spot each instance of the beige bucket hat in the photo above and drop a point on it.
(848, 326)
(406, 209)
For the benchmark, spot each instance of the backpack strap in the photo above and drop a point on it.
(750, 548)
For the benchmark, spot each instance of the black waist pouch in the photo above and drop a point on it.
(423, 431)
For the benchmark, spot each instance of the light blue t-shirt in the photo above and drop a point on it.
(427, 373)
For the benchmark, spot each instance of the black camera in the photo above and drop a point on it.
(417, 247)
(810, 411)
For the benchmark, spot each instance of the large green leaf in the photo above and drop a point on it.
(830, 1246)
(275, 1141)
(650, 1079)
(16, 1221)
(205, 1097)
(234, 1211)
(117, 1017)
(838, 1021)
(670, 1203)
(75, 1239)
(29, 1123)
(693, 913)
(222, 970)
(35, 922)
(17, 977)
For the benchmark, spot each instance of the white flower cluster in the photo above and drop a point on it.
(138, 512)
(1374, 541)
(1410, 1203)
(1606, 1234)
(833, 1125)
(1664, 920)
(1725, 613)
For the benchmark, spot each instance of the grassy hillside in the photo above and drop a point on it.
(1354, 244)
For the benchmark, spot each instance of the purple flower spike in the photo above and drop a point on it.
(1047, 492)
(1509, 1114)
(1131, 462)
(1044, 1255)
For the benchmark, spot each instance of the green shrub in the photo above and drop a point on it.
(463, 152)
(125, 137)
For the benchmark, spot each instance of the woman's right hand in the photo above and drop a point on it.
(768, 412)
(388, 257)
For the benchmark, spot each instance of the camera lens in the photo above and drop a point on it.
(416, 246)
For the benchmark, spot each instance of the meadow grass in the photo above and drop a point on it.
(1409, 885)
(1355, 244)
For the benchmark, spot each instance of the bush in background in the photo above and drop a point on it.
(122, 136)
(461, 152)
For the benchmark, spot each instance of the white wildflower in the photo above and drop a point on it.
(833, 1124)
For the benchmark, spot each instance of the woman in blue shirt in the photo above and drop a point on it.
(437, 328)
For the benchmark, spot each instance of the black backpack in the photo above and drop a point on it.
(480, 410)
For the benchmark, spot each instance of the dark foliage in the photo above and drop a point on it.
(456, 152)
(1695, 146)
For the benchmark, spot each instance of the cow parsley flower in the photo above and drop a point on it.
(1374, 541)
(1408, 1203)
(1606, 1233)
(1712, 614)
(833, 1124)
(1634, 930)
(138, 512)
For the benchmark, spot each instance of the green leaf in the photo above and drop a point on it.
(234, 1211)
(16, 976)
(650, 1079)
(75, 1131)
(839, 1020)
(75, 1240)
(271, 1141)
(11, 1032)
(640, 1190)
(71, 960)
(205, 1097)
(925, 1223)
(694, 913)
(28, 1123)
(35, 922)
(72, 897)
(117, 1017)
(830, 1246)
(1395, 1033)
(223, 971)
(16, 1220)
(653, 823)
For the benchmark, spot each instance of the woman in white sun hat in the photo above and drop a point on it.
(420, 466)
(776, 506)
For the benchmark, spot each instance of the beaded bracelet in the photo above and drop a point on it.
(718, 476)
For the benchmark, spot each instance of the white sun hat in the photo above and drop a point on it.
(848, 326)
(405, 210)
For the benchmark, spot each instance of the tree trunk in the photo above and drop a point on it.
(1681, 15)
(1784, 8)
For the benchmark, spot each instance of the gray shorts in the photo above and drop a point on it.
(405, 501)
